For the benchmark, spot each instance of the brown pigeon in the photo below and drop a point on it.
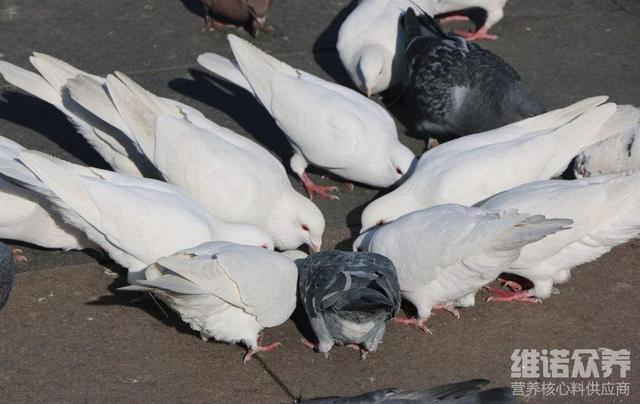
(251, 14)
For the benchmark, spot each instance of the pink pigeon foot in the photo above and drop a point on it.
(261, 348)
(513, 285)
(323, 191)
(448, 307)
(416, 322)
(348, 184)
(508, 296)
(308, 343)
(482, 33)
(17, 254)
(453, 18)
(313, 347)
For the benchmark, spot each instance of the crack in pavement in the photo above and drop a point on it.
(271, 373)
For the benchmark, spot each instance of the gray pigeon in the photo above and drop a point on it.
(7, 271)
(348, 298)
(458, 88)
(456, 393)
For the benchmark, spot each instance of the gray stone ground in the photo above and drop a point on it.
(67, 336)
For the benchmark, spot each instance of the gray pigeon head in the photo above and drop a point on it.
(348, 297)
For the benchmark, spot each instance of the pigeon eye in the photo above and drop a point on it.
(305, 227)
(399, 171)
(380, 222)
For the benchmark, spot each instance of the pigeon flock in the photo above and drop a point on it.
(208, 221)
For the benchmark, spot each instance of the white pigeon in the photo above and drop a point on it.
(605, 211)
(107, 140)
(234, 178)
(328, 125)
(472, 168)
(494, 10)
(135, 220)
(445, 254)
(26, 216)
(619, 153)
(371, 45)
(226, 291)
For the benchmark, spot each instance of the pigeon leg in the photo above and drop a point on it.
(508, 296)
(314, 347)
(260, 25)
(323, 191)
(17, 254)
(363, 351)
(308, 343)
(453, 18)
(417, 322)
(513, 285)
(482, 33)
(448, 307)
(260, 348)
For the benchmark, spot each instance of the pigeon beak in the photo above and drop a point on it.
(262, 21)
(315, 247)
(369, 91)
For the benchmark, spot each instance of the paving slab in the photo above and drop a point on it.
(480, 343)
(51, 351)
(66, 338)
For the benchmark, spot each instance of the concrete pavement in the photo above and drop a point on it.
(66, 335)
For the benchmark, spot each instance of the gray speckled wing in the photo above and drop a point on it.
(7, 271)
(467, 392)
(457, 87)
(338, 288)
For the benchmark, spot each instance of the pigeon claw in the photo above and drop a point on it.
(17, 254)
(482, 33)
(419, 323)
(450, 308)
(308, 343)
(261, 348)
(363, 351)
(513, 285)
(501, 295)
(323, 191)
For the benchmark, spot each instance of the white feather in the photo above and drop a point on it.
(475, 167)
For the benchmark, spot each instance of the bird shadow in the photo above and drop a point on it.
(34, 114)
(239, 105)
(194, 6)
(353, 221)
(146, 302)
(301, 321)
(324, 48)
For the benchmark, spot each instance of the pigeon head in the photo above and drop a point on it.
(388, 208)
(373, 71)
(294, 221)
(402, 160)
